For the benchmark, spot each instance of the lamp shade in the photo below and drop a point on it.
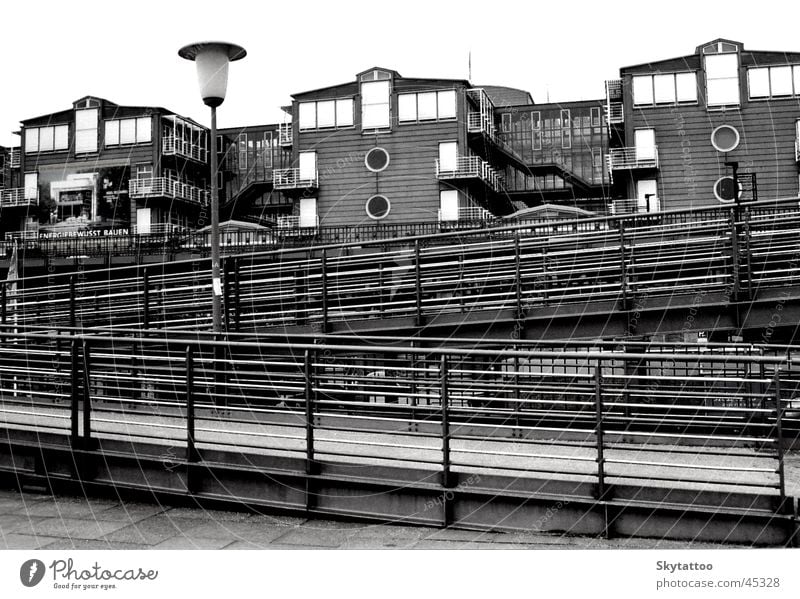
(212, 60)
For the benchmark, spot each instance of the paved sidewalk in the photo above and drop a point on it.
(36, 521)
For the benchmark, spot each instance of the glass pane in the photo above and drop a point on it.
(31, 186)
(31, 140)
(645, 140)
(375, 92)
(448, 156)
(308, 165)
(326, 114)
(426, 105)
(686, 85)
(643, 90)
(62, 137)
(127, 131)
(373, 116)
(308, 115)
(46, 139)
(723, 91)
(448, 205)
(344, 112)
(664, 86)
(721, 66)
(407, 107)
(758, 80)
(797, 80)
(86, 119)
(781, 79)
(112, 133)
(86, 141)
(447, 104)
(144, 129)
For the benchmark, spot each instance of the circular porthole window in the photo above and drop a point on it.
(378, 207)
(725, 138)
(377, 159)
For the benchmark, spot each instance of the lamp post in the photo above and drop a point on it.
(212, 59)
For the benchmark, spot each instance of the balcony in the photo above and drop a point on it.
(14, 158)
(285, 134)
(614, 111)
(175, 146)
(290, 178)
(290, 225)
(12, 198)
(469, 214)
(470, 167)
(168, 188)
(632, 158)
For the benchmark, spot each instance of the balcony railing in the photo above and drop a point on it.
(631, 158)
(176, 146)
(614, 90)
(471, 214)
(290, 225)
(10, 198)
(14, 158)
(163, 187)
(614, 113)
(470, 167)
(285, 134)
(290, 178)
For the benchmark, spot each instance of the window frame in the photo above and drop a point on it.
(29, 131)
(795, 79)
(388, 104)
(723, 105)
(438, 118)
(337, 101)
(118, 123)
(675, 101)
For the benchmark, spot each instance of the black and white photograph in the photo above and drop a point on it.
(476, 298)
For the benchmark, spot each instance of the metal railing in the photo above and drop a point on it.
(165, 187)
(290, 178)
(472, 214)
(10, 198)
(515, 269)
(172, 145)
(469, 167)
(631, 158)
(626, 422)
(285, 134)
(15, 157)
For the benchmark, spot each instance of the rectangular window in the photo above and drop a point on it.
(112, 133)
(448, 156)
(642, 90)
(775, 82)
(31, 186)
(31, 140)
(128, 131)
(506, 122)
(448, 205)
(780, 81)
(645, 141)
(308, 115)
(447, 104)
(595, 115)
(647, 196)
(144, 130)
(46, 139)
(666, 88)
(326, 114)
(407, 107)
(86, 130)
(566, 131)
(722, 80)
(308, 213)
(536, 130)
(308, 165)
(426, 106)
(344, 112)
(375, 106)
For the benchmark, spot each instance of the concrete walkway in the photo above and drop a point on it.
(38, 521)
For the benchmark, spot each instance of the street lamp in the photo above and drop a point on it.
(212, 60)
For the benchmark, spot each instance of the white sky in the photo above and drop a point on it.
(56, 52)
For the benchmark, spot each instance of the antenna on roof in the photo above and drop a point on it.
(469, 78)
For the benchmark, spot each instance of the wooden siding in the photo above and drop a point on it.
(688, 163)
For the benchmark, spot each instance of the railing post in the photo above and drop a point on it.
(237, 308)
(72, 314)
(447, 481)
(311, 467)
(601, 474)
(417, 284)
(517, 277)
(87, 395)
(779, 437)
(324, 287)
(145, 299)
(75, 384)
(623, 267)
(226, 293)
(191, 449)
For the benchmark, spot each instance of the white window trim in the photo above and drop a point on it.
(676, 102)
(335, 101)
(795, 78)
(118, 123)
(438, 118)
(727, 105)
(38, 131)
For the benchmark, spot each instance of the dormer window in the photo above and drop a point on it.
(86, 130)
(722, 79)
(375, 104)
(720, 48)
